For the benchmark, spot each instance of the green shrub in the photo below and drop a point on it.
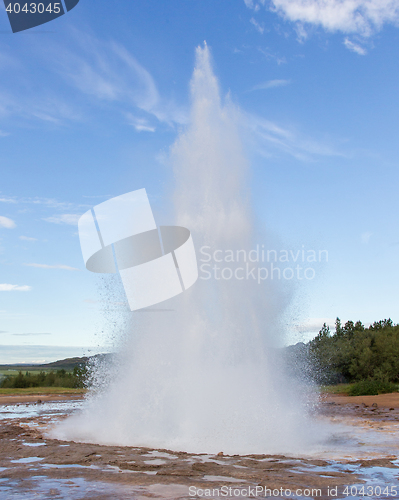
(372, 388)
(60, 378)
(354, 353)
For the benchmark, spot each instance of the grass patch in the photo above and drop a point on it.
(343, 389)
(372, 388)
(15, 370)
(4, 373)
(40, 390)
(60, 378)
(362, 388)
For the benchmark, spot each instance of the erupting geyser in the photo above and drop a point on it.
(205, 375)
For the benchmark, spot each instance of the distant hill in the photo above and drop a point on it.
(64, 364)
(67, 364)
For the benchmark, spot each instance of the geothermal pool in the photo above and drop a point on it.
(359, 459)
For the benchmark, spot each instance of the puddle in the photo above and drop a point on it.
(68, 489)
(68, 466)
(224, 479)
(43, 410)
(168, 491)
(27, 460)
(159, 454)
(208, 458)
(352, 438)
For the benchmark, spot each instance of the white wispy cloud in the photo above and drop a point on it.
(301, 32)
(272, 56)
(46, 202)
(27, 238)
(55, 266)
(359, 17)
(251, 5)
(270, 139)
(12, 354)
(22, 98)
(348, 16)
(366, 237)
(48, 209)
(96, 196)
(107, 72)
(270, 84)
(70, 219)
(8, 199)
(355, 47)
(5, 287)
(6, 222)
(140, 124)
(313, 325)
(102, 74)
(30, 334)
(258, 26)
(45, 108)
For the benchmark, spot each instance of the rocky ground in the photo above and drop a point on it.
(33, 466)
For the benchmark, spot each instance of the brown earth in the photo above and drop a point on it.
(26, 454)
(382, 400)
(35, 398)
(145, 467)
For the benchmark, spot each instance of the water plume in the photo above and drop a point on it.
(202, 373)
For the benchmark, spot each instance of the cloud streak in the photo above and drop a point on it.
(270, 139)
(140, 124)
(251, 4)
(29, 334)
(313, 325)
(56, 266)
(357, 17)
(354, 47)
(107, 72)
(6, 222)
(258, 27)
(365, 237)
(348, 16)
(47, 108)
(46, 202)
(270, 84)
(70, 219)
(5, 287)
(88, 73)
(27, 238)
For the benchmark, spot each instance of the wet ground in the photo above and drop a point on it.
(361, 461)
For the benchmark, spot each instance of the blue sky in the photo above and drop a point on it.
(91, 103)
